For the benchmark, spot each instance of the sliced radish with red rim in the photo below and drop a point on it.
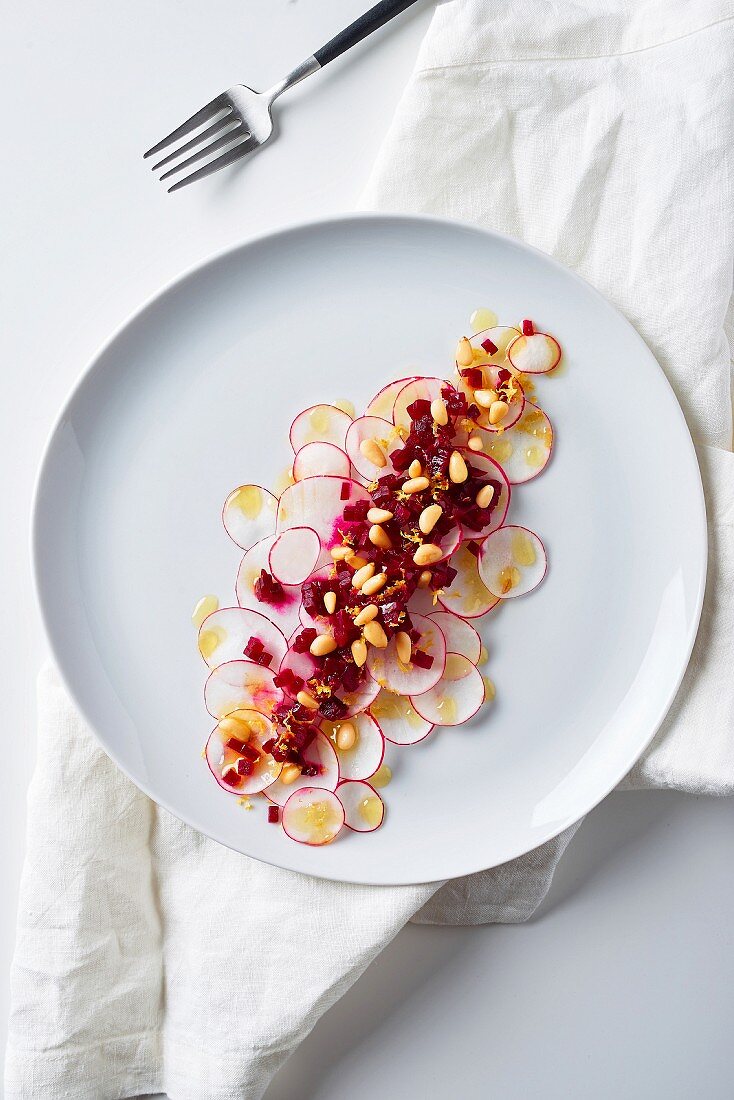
(512, 562)
(319, 424)
(321, 755)
(456, 697)
(425, 389)
(280, 605)
(239, 684)
(313, 816)
(224, 634)
(524, 450)
(536, 354)
(461, 637)
(501, 336)
(365, 756)
(398, 719)
(248, 515)
(294, 554)
(316, 459)
(364, 810)
(467, 595)
(319, 502)
(223, 758)
(383, 403)
(374, 429)
(388, 671)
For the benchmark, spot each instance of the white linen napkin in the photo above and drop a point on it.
(150, 958)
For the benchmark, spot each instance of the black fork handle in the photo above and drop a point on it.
(371, 20)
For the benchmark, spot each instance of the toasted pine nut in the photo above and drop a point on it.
(457, 468)
(485, 398)
(428, 554)
(375, 635)
(415, 485)
(379, 515)
(307, 700)
(379, 537)
(341, 553)
(234, 727)
(497, 411)
(439, 412)
(359, 652)
(415, 469)
(330, 602)
(464, 352)
(373, 452)
(367, 614)
(429, 517)
(346, 736)
(425, 578)
(356, 563)
(403, 646)
(475, 443)
(322, 645)
(484, 496)
(363, 574)
(374, 584)
(289, 774)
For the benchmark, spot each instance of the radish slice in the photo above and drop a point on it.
(490, 470)
(389, 672)
(225, 633)
(318, 502)
(523, 451)
(398, 719)
(304, 665)
(239, 684)
(460, 636)
(365, 756)
(313, 816)
(383, 403)
(512, 562)
(294, 554)
(536, 354)
(364, 810)
(370, 427)
(248, 515)
(467, 595)
(456, 698)
(515, 400)
(283, 608)
(221, 758)
(501, 336)
(321, 458)
(426, 388)
(320, 753)
(319, 424)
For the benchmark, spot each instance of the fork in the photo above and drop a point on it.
(240, 120)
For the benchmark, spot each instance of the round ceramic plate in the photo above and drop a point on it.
(195, 395)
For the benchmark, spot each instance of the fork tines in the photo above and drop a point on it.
(225, 126)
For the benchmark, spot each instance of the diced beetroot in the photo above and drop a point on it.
(528, 329)
(232, 778)
(235, 744)
(266, 588)
(302, 642)
(254, 648)
(344, 629)
(265, 659)
(245, 767)
(356, 512)
(455, 401)
(420, 407)
(473, 548)
(401, 459)
(333, 708)
(423, 660)
(273, 815)
(345, 491)
(489, 347)
(351, 678)
(269, 745)
(310, 770)
(474, 377)
(250, 752)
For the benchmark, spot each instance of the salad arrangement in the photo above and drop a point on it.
(360, 583)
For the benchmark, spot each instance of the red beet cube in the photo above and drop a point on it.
(421, 659)
(235, 744)
(527, 328)
(245, 767)
(273, 815)
(264, 659)
(250, 752)
(345, 490)
(474, 377)
(489, 347)
(232, 778)
(254, 648)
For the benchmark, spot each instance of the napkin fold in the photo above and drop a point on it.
(150, 958)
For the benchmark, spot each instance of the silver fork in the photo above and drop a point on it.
(240, 120)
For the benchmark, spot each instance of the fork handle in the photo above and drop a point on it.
(371, 20)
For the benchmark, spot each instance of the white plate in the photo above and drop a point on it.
(195, 396)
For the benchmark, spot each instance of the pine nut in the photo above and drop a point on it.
(307, 700)
(439, 412)
(234, 727)
(429, 517)
(403, 647)
(415, 469)
(415, 485)
(374, 584)
(497, 411)
(464, 352)
(359, 652)
(322, 645)
(485, 398)
(427, 554)
(379, 537)
(379, 515)
(373, 452)
(346, 736)
(289, 774)
(363, 574)
(475, 443)
(367, 614)
(484, 496)
(425, 578)
(330, 602)
(375, 635)
(341, 553)
(457, 468)
(356, 563)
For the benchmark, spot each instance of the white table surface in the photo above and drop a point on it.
(623, 985)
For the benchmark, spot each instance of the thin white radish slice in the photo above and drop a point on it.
(365, 756)
(426, 389)
(389, 672)
(319, 424)
(294, 554)
(512, 562)
(283, 607)
(382, 432)
(321, 754)
(319, 502)
(321, 458)
(461, 637)
(364, 810)
(224, 634)
(489, 470)
(524, 450)
(456, 697)
(383, 403)
(222, 758)
(398, 719)
(248, 515)
(313, 816)
(239, 684)
(467, 595)
(501, 336)
(536, 354)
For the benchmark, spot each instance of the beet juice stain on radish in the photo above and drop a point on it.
(361, 580)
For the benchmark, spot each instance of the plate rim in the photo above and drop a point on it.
(698, 514)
